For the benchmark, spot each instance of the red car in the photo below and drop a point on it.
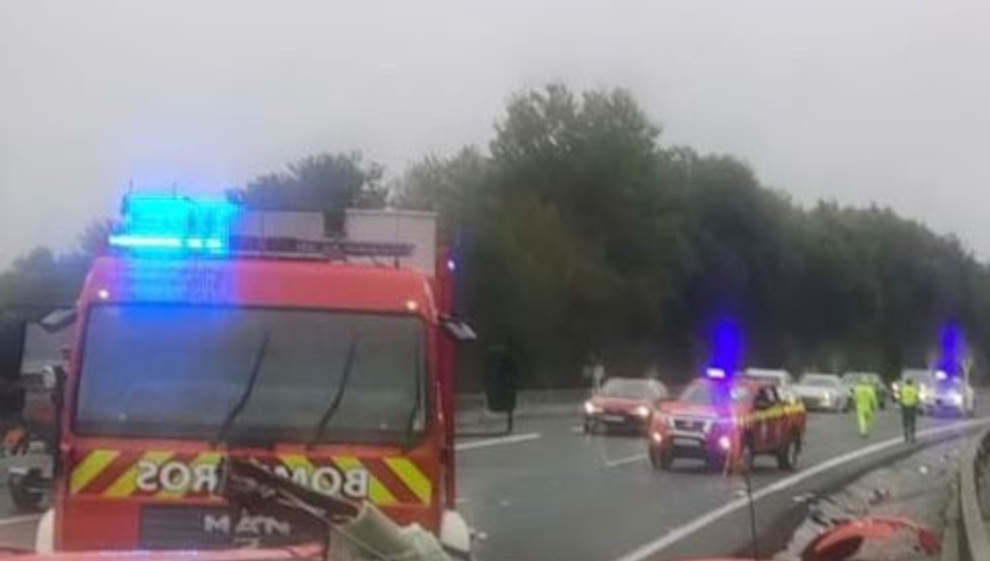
(725, 423)
(623, 403)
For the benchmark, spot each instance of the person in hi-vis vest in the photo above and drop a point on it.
(865, 396)
(909, 408)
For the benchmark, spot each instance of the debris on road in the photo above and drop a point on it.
(917, 487)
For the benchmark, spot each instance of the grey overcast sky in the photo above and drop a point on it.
(858, 102)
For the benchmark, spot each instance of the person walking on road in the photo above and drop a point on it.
(909, 408)
(866, 404)
(597, 374)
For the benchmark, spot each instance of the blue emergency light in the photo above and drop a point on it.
(716, 373)
(727, 348)
(171, 223)
(951, 350)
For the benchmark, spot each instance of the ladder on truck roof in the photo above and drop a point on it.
(328, 249)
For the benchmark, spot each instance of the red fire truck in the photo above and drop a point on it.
(207, 331)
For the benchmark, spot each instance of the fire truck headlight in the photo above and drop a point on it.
(656, 437)
(642, 411)
(955, 398)
(590, 408)
(724, 442)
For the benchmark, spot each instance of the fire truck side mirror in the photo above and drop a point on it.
(12, 334)
(58, 320)
(500, 380)
(52, 376)
(457, 329)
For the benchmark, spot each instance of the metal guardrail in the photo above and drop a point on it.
(974, 497)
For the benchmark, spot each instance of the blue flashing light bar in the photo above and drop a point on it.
(163, 242)
(716, 373)
(951, 351)
(170, 223)
(727, 350)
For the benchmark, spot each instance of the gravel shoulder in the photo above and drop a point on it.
(918, 487)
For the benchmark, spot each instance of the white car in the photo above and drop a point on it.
(823, 392)
(951, 395)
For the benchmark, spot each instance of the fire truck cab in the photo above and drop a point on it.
(208, 331)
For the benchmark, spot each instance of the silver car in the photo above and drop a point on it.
(779, 378)
(823, 392)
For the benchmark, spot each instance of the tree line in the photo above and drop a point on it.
(578, 232)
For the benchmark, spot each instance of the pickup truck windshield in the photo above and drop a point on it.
(175, 371)
(709, 393)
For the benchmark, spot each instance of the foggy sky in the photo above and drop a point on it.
(858, 102)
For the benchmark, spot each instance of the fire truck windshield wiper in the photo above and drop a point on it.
(228, 420)
(338, 396)
(411, 423)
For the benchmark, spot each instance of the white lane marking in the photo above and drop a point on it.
(680, 532)
(20, 519)
(577, 428)
(627, 460)
(472, 444)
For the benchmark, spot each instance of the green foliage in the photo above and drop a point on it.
(327, 182)
(581, 233)
(578, 232)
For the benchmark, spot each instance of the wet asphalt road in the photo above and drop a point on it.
(553, 493)
(566, 495)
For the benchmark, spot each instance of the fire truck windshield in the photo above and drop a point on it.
(176, 371)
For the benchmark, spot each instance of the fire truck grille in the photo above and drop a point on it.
(203, 527)
(166, 527)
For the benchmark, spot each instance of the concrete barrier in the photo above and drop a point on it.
(530, 402)
(472, 410)
(974, 496)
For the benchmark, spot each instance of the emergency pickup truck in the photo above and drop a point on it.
(726, 423)
(208, 331)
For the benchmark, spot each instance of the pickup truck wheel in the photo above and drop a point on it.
(746, 456)
(714, 462)
(661, 460)
(790, 454)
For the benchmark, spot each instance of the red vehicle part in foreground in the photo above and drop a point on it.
(305, 551)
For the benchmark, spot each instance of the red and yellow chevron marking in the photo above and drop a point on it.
(167, 475)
